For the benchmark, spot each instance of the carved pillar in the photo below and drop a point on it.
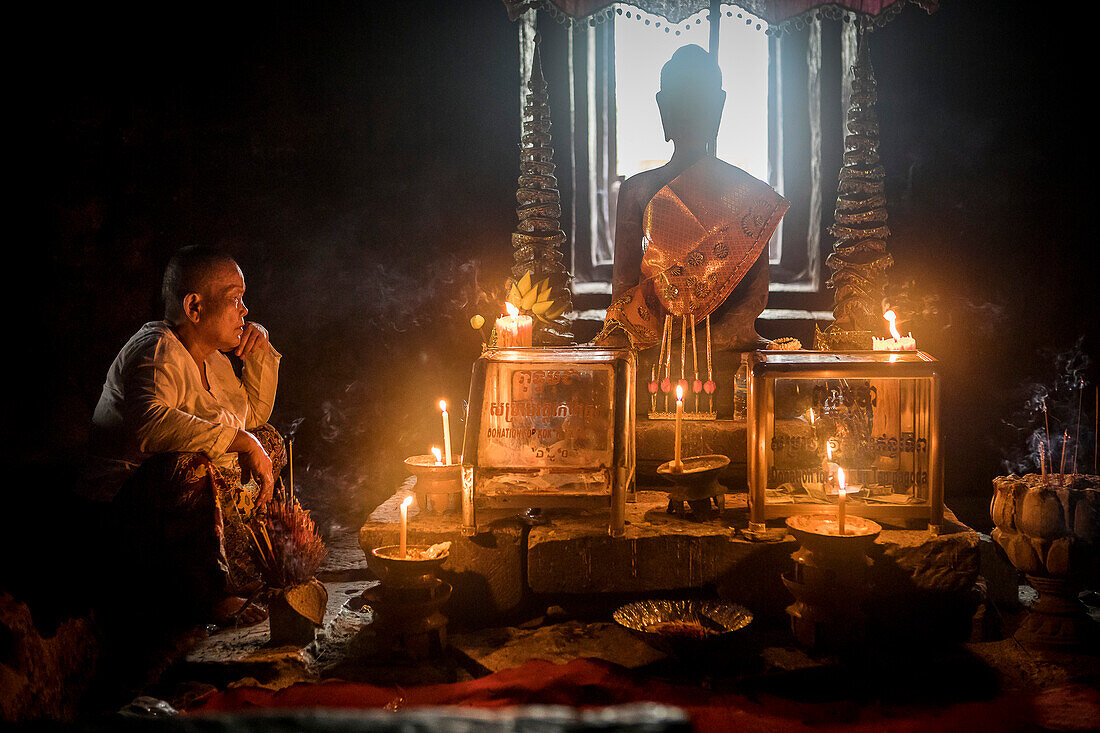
(539, 236)
(859, 259)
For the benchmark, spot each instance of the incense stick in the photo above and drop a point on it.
(1062, 465)
(668, 362)
(683, 348)
(661, 358)
(1077, 439)
(1046, 420)
(710, 373)
(290, 466)
(656, 384)
(695, 361)
(1043, 463)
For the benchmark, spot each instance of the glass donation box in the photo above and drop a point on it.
(549, 428)
(866, 422)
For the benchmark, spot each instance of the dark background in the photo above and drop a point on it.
(359, 160)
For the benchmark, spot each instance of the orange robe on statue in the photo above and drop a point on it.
(701, 235)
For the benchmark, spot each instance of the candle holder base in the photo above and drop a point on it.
(1058, 619)
(697, 485)
(438, 486)
(410, 621)
(830, 579)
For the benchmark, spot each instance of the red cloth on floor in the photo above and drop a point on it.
(592, 683)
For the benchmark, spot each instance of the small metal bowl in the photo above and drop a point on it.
(712, 621)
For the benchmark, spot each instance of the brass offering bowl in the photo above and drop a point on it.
(409, 602)
(821, 531)
(682, 627)
(438, 486)
(830, 580)
(405, 572)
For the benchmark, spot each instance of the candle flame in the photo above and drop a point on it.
(438, 454)
(891, 317)
(679, 392)
(512, 310)
(840, 481)
(829, 450)
(408, 500)
(443, 405)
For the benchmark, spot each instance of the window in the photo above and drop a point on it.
(642, 48)
(783, 123)
(641, 51)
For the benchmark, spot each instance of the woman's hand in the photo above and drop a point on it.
(255, 463)
(254, 337)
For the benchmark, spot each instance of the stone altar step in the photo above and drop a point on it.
(495, 571)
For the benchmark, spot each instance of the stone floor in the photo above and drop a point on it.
(560, 619)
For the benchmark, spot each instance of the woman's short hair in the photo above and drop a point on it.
(188, 272)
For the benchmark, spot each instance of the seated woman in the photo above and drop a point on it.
(178, 435)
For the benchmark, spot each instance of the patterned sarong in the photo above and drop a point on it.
(184, 521)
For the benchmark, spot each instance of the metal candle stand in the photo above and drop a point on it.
(830, 579)
(697, 484)
(409, 602)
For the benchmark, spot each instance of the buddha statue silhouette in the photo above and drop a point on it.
(691, 236)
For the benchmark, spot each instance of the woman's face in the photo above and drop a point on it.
(221, 320)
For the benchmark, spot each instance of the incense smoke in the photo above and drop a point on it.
(404, 342)
(1067, 394)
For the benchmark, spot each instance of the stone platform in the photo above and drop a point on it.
(509, 563)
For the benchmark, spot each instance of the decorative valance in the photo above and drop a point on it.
(779, 15)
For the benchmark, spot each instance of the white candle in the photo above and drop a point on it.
(677, 464)
(513, 329)
(405, 525)
(438, 456)
(840, 508)
(446, 432)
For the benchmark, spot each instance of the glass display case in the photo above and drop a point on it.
(549, 427)
(875, 414)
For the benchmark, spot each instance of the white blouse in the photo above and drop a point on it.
(154, 402)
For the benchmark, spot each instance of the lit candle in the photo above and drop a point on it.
(840, 508)
(677, 464)
(897, 342)
(438, 456)
(405, 525)
(513, 329)
(446, 432)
